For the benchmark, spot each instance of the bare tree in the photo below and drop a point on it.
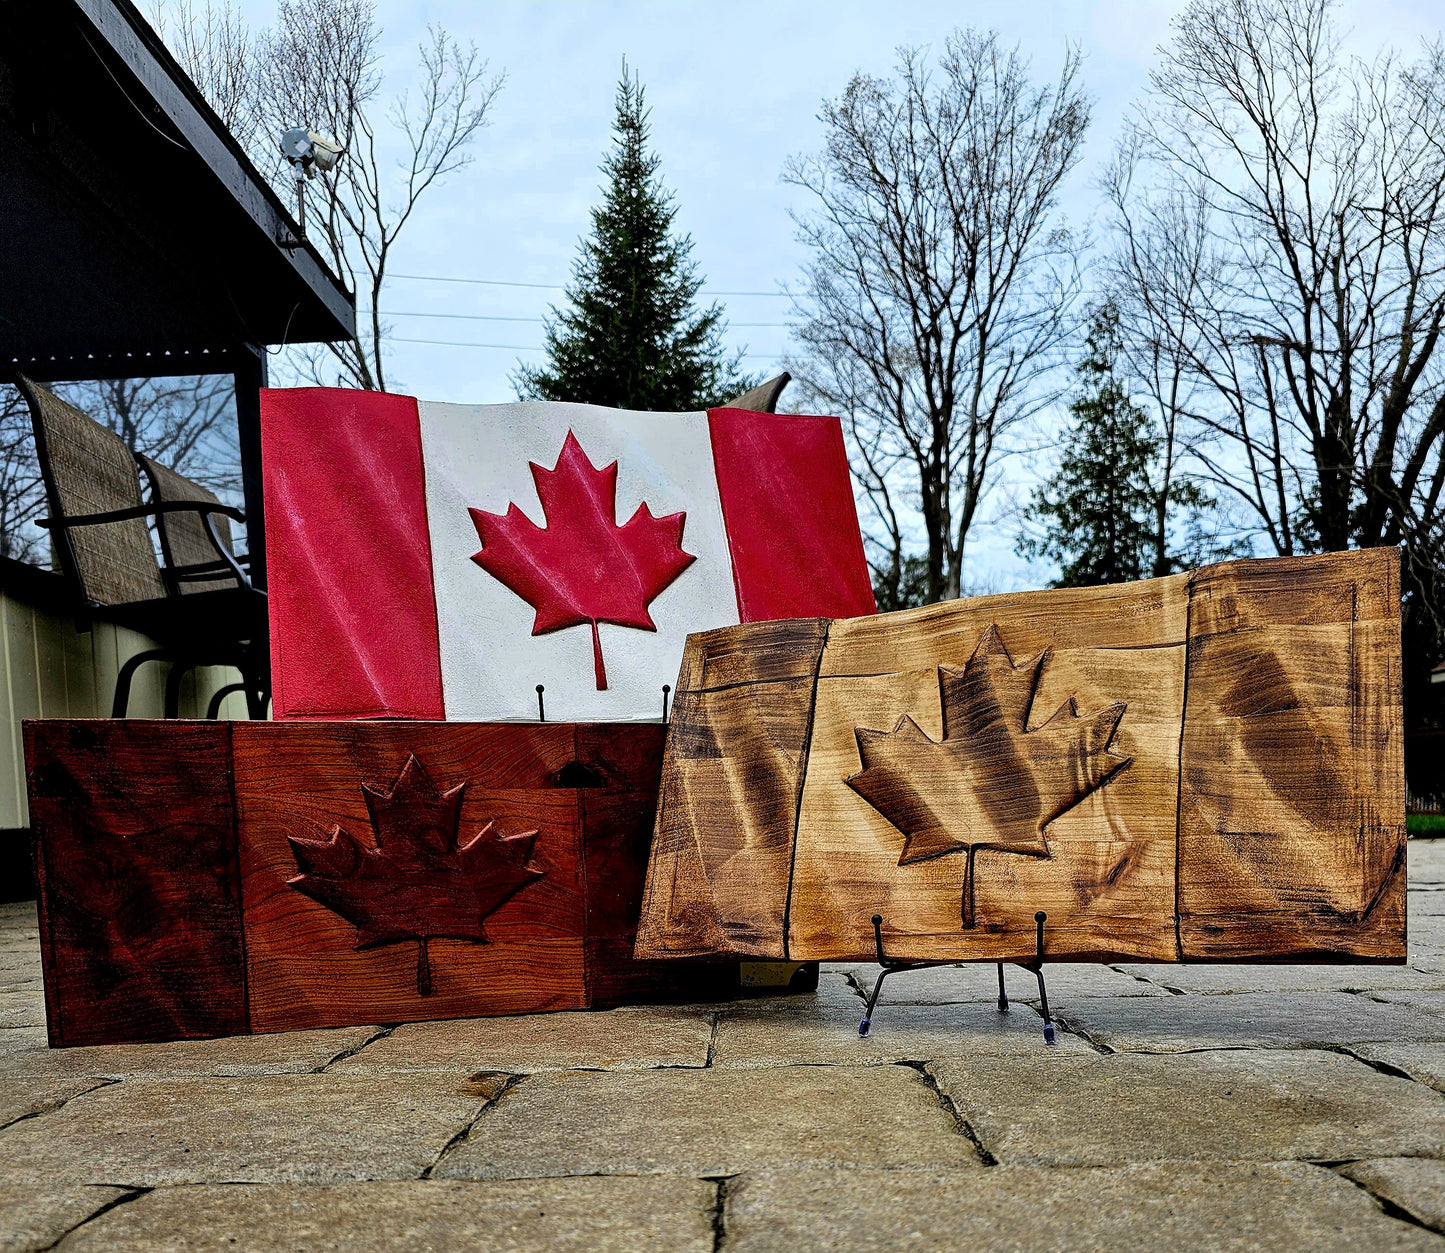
(1281, 253)
(941, 278)
(212, 42)
(188, 424)
(319, 66)
(1159, 266)
(22, 494)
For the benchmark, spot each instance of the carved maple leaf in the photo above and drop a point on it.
(992, 782)
(582, 567)
(416, 883)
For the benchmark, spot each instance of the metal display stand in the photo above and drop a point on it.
(897, 967)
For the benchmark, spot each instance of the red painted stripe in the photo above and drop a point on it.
(353, 615)
(792, 526)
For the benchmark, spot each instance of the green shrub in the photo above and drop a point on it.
(1425, 824)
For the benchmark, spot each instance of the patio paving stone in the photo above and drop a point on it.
(1229, 1105)
(1421, 998)
(291, 1052)
(1423, 1062)
(19, 967)
(1414, 1184)
(24, 1096)
(20, 928)
(1427, 861)
(23, 1008)
(1289, 1207)
(1202, 979)
(710, 1122)
(22, 1040)
(760, 1035)
(1248, 1020)
(32, 1218)
(608, 1215)
(978, 982)
(1427, 901)
(630, 1039)
(270, 1129)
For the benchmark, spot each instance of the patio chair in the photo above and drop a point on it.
(196, 550)
(764, 397)
(200, 608)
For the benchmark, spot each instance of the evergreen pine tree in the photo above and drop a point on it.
(1098, 510)
(631, 337)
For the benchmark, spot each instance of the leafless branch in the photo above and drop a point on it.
(941, 280)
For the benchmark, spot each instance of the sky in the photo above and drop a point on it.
(735, 89)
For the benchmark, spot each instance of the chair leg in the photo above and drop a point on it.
(179, 670)
(120, 704)
(258, 693)
(213, 710)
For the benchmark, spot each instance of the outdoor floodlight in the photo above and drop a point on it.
(308, 152)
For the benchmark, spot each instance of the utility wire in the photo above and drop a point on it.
(491, 317)
(457, 343)
(497, 282)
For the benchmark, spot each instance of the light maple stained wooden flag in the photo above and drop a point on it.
(434, 560)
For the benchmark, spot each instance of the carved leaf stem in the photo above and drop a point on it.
(417, 883)
(992, 782)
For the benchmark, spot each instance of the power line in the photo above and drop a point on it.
(490, 317)
(458, 343)
(485, 282)
(455, 343)
(466, 317)
(497, 282)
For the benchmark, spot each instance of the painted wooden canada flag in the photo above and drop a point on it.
(441, 561)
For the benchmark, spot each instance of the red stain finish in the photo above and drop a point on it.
(418, 883)
(353, 617)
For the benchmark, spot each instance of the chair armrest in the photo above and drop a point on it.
(204, 507)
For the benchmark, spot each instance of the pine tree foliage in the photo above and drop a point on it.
(1103, 518)
(632, 336)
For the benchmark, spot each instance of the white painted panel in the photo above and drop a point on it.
(12, 767)
(477, 456)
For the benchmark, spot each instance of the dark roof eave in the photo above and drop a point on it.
(131, 39)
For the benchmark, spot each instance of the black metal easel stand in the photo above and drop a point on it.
(897, 967)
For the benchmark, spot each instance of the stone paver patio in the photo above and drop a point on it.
(1211, 1107)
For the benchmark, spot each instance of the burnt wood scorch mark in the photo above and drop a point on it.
(992, 782)
(417, 883)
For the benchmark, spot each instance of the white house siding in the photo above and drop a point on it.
(48, 669)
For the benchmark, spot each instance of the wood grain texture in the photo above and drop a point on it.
(736, 750)
(364, 873)
(140, 910)
(1292, 808)
(1039, 737)
(616, 838)
(1107, 882)
(617, 828)
(305, 779)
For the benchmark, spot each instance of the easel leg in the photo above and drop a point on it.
(1050, 1036)
(866, 1024)
(888, 967)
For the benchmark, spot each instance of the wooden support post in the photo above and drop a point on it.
(250, 378)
